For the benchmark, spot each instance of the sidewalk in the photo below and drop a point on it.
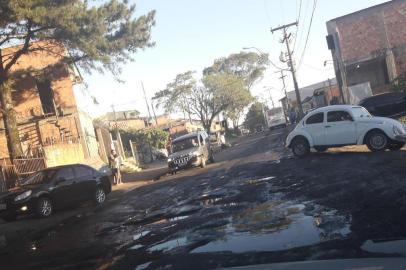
(153, 172)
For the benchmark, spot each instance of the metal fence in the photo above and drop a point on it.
(9, 177)
(23, 167)
(27, 166)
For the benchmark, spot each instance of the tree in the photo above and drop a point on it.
(236, 109)
(100, 37)
(155, 137)
(174, 97)
(250, 68)
(255, 116)
(215, 93)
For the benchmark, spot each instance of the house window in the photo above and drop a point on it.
(46, 96)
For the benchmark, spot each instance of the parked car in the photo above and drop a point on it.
(190, 150)
(54, 188)
(340, 125)
(386, 104)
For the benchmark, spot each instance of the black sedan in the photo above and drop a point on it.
(54, 188)
(386, 104)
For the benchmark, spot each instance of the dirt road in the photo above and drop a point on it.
(256, 204)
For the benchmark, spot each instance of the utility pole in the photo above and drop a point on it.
(153, 111)
(146, 101)
(290, 63)
(282, 77)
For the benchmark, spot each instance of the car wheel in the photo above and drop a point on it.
(203, 163)
(300, 147)
(395, 146)
(320, 149)
(44, 207)
(100, 196)
(10, 217)
(377, 141)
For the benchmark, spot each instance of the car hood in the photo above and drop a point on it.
(183, 153)
(16, 191)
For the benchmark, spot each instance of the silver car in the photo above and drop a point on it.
(191, 150)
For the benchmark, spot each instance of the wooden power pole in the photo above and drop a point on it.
(291, 65)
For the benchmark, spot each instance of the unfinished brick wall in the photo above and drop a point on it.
(369, 32)
(30, 68)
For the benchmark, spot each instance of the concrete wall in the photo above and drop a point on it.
(88, 135)
(63, 154)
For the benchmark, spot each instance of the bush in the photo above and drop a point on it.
(157, 138)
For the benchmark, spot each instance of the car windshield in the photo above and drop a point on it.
(184, 144)
(39, 178)
(360, 112)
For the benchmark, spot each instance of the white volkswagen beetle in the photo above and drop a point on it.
(340, 125)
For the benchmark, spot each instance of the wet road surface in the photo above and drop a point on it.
(256, 204)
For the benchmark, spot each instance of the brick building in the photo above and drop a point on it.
(50, 122)
(369, 46)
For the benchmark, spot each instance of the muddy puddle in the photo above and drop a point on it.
(174, 243)
(239, 226)
(274, 226)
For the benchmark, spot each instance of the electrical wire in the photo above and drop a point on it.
(304, 19)
(297, 27)
(308, 34)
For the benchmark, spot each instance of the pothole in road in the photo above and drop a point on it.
(181, 241)
(277, 226)
(260, 180)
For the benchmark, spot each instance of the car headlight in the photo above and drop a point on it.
(23, 196)
(169, 159)
(397, 130)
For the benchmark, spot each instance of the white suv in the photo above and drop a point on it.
(341, 125)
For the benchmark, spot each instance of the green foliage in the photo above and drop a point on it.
(174, 97)
(100, 36)
(157, 138)
(399, 84)
(248, 66)
(216, 93)
(255, 116)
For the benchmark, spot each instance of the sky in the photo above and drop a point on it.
(191, 34)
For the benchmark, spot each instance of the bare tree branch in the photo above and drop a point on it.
(24, 49)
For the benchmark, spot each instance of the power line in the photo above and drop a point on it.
(308, 34)
(267, 12)
(297, 29)
(304, 18)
